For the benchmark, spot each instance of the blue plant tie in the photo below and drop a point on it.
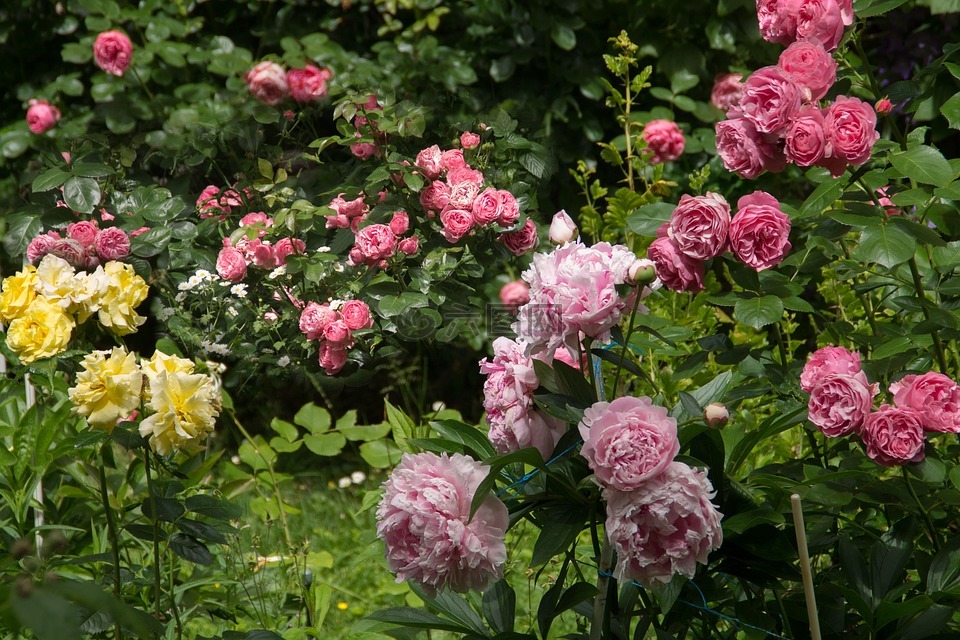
(521, 482)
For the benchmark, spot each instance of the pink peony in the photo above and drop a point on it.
(308, 84)
(805, 142)
(664, 527)
(286, 247)
(515, 294)
(41, 116)
(456, 223)
(41, 246)
(759, 233)
(851, 129)
(562, 228)
(85, 232)
(522, 241)
(628, 441)
(810, 66)
(356, 315)
(424, 522)
(486, 208)
(112, 243)
(699, 225)
(509, 209)
(376, 242)
(469, 140)
(231, 265)
(435, 196)
(744, 150)
(819, 19)
(332, 357)
(409, 246)
(113, 52)
(676, 270)
(664, 140)
(399, 223)
(267, 82)
(770, 99)
(827, 361)
(932, 395)
(893, 435)
(726, 90)
(428, 161)
(839, 404)
(314, 319)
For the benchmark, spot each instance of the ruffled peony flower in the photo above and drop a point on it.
(113, 52)
(699, 225)
(829, 360)
(839, 404)
(42, 330)
(186, 406)
(934, 396)
(108, 389)
(664, 527)
(893, 436)
(424, 522)
(628, 441)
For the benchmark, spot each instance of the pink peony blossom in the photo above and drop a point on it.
(308, 84)
(112, 243)
(267, 82)
(435, 196)
(515, 294)
(456, 223)
(314, 318)
(664, 527)
(851, 129)
(699, 225)
(805, 142)
(231, 264)
(726, 91)
(932, 395)
(827, 361)
(839, 404)
(332, 357)
(428, 161)
(810, 66)
(893, 435)
(113, 52)
(356, 315)
(664, 139)
(628, 441)
(676, 270)
(716, 415)
(759, 233)
(744, 150)
(770, 99)
(41, 116)
(469, 140)
(424, 521)
(522, 241)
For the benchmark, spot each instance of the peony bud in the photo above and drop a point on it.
(716, 415)
(642, 271)
(562, 228)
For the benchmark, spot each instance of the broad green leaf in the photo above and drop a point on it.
(499, 606)
(924, 164)
(951, 111)
(380, 454)
(563, 36)
(50, 179)
(191, 549)
(758, 312)
(821, 198)
(211, 507)
(886, 245)
(313, 418)
(325, 444)
(81, 194)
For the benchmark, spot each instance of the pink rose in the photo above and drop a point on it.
(85, 232)
(893, 436)
(428, 161)
(356, 315)
(469, 140)
(745, 151)
(676, 270)
(810, 66)
(522, 241)
(888, 206)
(932, 395)
(41, 116)
(231, 198)
(231, 265)
(664, 527)
(830, 361)
(851, 129)
(759, 232)
(628, 441)
(267, 82)
(41, 246)
(376, 242)
(775, 25)
(364, 150)
(209, 204)
(409, 246)
(139, 232)
(308, 84)
(883, 106)
(664, 140)
(726, 90)
(819, 19)
(287, 247)
(465, 184)
(515, 294)
(347, 213)
(338, 333)
(399, 223)
(805, 140)
(425, 524)
(509, 209)
(332, 357)
(112, 244)
(486, 208)
(770, 99)
(70, 250)
(839, 404)
(456, 223)
(314, 319)
(452, 159)
(435, 196)
(846, 11)
(113, 52)
(699, 225)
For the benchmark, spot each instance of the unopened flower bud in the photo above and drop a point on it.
(642, 271)
(562, 228)
(883, 106)
(716, 415)
(307, 578)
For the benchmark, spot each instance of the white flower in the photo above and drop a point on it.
(225, 283)
(338, 267)
(185, 286)
(203, 274)
(336, 304)
(276, 273)
(323, 249)
(439, 405)
(181, 296)
(283, 361)
(165, 314)
(194, 281)
(239, 290)
(358, 477)
(344, 482)
(232, 312)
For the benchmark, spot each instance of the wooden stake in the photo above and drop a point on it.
(805, 570)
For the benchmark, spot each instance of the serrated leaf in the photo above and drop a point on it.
(758, 312)
(924, 164)
(951, 111)
(886, 245)
(50, 179)
(81, 194)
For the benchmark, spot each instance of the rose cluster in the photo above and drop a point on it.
(375, 244)
(237, 255)
(841, 404)
(183, 404)
(777, 117)
(333, 325)
(269, 83)
(214, 201)
(41, 305)
(660, 519)
(701, 228)
(85, 246)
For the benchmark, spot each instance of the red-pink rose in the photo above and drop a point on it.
(85, 232)
(70, 250)
(364, 150)
(456, 223)
(209, 203)
(664, 139)
(112, 244)
(839, 404)
(883, 106)
(805, 142)
(770, 99)
(893, 436)
(726, 90)
(356, 315)
(41, 246)
(42, 116)
(267, 82)
(514, 294)
(113, 52)
(314, 319)
(745, 151)
(376, 242)
(428, 161)
(409, 246)
(775, 25)
(676, 270)
(828, 361)
(399, 223)
(452, 159)
(469, 140)
(522, 241)
(347, 213)
(465, 184)
(699, 225)
(338, 333)
(934, 396)
(435, 196)
(231, 265)
(759, 231)
(509, 209)
(332, 357)
(851, 129)
(820, 19)
(308, 84)
(810, 66)
(486, 208)
(285, 247)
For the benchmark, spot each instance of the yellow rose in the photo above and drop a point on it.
(163, 363)
(185, 411)
(108, 388)
(118, 302)
(18, 292)
(41, 331)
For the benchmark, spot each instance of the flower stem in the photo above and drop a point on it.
(603, 584)
(931, 529)
(155, 521)
(112, 533)
(921, 294)
(626, 339)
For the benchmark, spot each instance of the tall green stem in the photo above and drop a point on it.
(931, 529)
(112, 533)
(155, 521)
(626, 338)
(603, 584)
(922, 295)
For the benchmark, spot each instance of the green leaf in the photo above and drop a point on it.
(313, 418)
(454, 607)
(758, 312)
(211, 507)
(47, 615)
(365, 432)
(564, 37)
(821, 198)
(81, 194)
(886, 245)
(561, 527)
(924, 164)
(648, 218)
(878, 7)
(151, 243)
(201, 530)
(944, 571)
(50, 179)
(499, 606)
(325, 444)
(21, 229)
(91, 170)
(951, 111)
(417, 619)
(191, 549)
(468, 435)
(380, 454)
(168, 509)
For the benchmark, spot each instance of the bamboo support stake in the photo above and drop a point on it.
(805, 570)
